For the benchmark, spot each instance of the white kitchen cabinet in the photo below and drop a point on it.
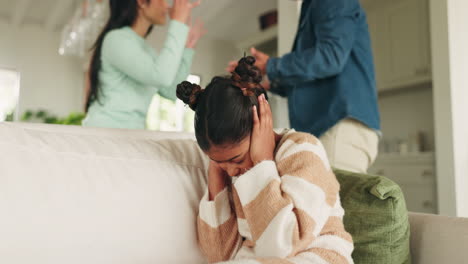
(401, 42)
(415, 174)
(379, 45)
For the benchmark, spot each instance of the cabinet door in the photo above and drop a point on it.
(416, 179)
(380, 47)
(420, 198)
(406, 173)
(401, 43)
(407, 32)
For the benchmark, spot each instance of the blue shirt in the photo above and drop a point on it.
(329, 75)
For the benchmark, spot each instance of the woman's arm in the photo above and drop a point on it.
(126, 54)
(169, 92)
(197, 31)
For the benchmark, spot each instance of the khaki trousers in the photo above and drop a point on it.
(351, 146)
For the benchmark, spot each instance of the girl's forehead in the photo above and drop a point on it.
(230, 151)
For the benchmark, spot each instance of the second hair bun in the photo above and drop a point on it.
(189, 93)
(247, 71)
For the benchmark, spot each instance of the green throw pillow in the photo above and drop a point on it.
(376, 217)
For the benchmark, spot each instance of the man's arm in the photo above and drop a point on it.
(335, 28)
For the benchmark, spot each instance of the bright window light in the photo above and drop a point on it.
(165, 115)
(9, 92)
(194, 79)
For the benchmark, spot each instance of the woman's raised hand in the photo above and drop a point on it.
(197, 30)
(182, 9)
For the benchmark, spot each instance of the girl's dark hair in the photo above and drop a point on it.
(122, 13)
(223, 111)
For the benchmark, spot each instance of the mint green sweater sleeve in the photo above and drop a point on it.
(184, 70)
(128, 56)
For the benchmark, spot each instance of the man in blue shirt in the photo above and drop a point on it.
(329, 81)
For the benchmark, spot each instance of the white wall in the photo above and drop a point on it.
(288, 17)
(450, 63)
(406, 112)
(458, 22)
(48, 80)
(211, 55)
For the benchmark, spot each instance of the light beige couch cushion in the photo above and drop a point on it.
(77, 195)
(438, 239)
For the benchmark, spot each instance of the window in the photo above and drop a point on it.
(9, 94)
(165, 115)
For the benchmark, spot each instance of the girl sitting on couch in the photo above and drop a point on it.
(271, 198)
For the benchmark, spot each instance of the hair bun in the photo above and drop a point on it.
(250, 60)
(247, 72)
(189, 93)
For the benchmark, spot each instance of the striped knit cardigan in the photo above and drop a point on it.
(282, 211)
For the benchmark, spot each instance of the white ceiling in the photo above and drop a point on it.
(50, 14)
(232, 20)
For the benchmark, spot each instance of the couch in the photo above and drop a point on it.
(85, 195)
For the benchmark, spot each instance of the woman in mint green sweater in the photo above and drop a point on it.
(125, 72)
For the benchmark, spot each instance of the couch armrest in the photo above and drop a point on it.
(438, 239)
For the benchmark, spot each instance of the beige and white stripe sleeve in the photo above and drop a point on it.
(296, 216)
(218, 235)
